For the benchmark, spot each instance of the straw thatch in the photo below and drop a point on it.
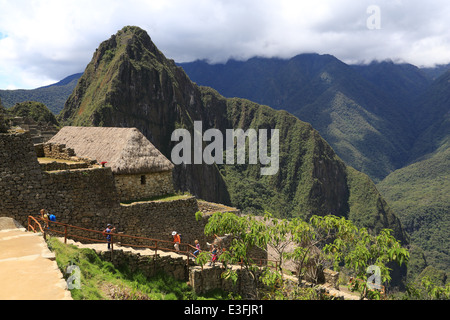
(126, 150)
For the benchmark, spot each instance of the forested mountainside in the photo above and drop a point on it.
(420, 191)
(366, 112)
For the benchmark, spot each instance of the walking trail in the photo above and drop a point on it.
(28, 270)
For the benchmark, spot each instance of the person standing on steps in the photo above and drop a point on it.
(197, 246)
(176, 240)
(109, 229)
(44, 217)
(214, 252)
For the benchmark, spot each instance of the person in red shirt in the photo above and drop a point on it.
(176, 240)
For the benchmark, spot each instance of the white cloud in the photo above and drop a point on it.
(45, 40)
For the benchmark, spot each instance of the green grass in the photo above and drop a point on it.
(170, 197)
(101, 280)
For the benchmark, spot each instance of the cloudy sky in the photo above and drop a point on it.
(43, 41)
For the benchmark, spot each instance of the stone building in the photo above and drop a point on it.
(140, 170)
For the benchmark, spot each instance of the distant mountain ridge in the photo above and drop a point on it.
(362, 111)
(53, 96)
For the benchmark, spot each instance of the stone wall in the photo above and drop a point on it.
(57, 151)
(148, 265)
(86, 198)
(82, 197)
(60, 152)
(20, 177)
(332, 278)
(158, 219)
(210, 207)
(207, 279)
(58, 166)
(144, 186)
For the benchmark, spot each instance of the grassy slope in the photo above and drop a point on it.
(100, 280)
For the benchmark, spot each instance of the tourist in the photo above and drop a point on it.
(52, 217)
(176, 240)
(44, 217)
(109, 229)
(213, 255)
(197, 246)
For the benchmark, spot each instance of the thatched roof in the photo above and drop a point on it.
(126, 150)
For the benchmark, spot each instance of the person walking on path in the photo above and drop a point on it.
(197, 246)
(109, 229)
(44, 217)
(213, 255)
(176, 240)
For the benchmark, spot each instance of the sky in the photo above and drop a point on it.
(43, 41)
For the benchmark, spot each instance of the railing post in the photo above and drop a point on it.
(65, 234)
(187, 255)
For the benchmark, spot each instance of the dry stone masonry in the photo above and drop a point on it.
(132, 186)
(85, 197)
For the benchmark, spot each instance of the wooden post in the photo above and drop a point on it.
(65, 234)
(112, 246)
(187, 255)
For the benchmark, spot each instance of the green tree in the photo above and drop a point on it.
(247, 235)
(322, 242)
(319, 243)
(427, 289)
(371, 253)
